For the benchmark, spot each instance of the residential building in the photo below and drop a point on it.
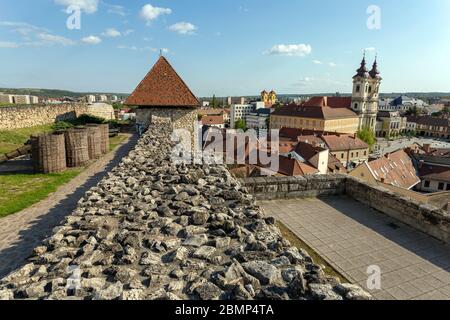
(314, 156)
(411, 125)
(91, 98)
(102, 98)
(306, 117)
(213, 121)
(34, 100)
(394, 169)
(290, 167)
(240, 111)
(390, 124)
(405, 103)
(21, 99)
(348, 149)
(258, 119)
(366, 88)
(434, 178)
(6, 98)
(235, 100)
(114, 98)
(435, 127)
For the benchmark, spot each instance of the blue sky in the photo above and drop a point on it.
(225, 47)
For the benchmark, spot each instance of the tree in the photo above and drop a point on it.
(214, 102)
(368, 136)
(240, 124)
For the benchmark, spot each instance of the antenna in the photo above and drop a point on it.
(160, 52)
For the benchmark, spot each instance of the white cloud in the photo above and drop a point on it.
(112, 33)
(299, 50)
(371, 49)
(183, 28)
(317, 62)
(128, 32)
(332, 64)
(92, 40)
(47, 38)
(88, 6)
(33, 36)
(116, 9)
(135, 48)
(150, 13)
(8, 45)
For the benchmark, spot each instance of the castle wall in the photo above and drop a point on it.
(35, 115)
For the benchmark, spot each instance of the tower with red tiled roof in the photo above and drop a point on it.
(366, 88)
(163, 96)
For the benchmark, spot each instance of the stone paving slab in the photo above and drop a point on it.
(21, 232)
(352, 237)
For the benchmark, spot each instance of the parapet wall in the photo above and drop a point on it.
(35, 115)
(426, 218)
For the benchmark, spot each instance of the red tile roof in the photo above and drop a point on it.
(344, 142)
(212, 120)
(434, 172)
(396, 168)
(315, 112)
(332, 102)
(162, 87)
(292, 167)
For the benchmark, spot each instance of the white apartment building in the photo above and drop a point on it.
(6, 98)
(258, 119)
(114, 99)
(91, 98)
(240, 111)
(21, 99)
(34, 100)
(103, 98)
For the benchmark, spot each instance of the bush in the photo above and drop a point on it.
(87, 119)
(62, 125)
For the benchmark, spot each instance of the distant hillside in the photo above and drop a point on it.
(54, 93)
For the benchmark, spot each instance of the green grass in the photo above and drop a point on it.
(114, 142)
(20, 191)
(10, 140)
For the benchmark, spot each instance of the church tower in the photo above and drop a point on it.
(366, 88)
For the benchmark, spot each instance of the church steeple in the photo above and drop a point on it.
(362, 71)
(374, 73)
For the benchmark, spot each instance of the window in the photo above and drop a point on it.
(448, 186)
(426, 184)
(342, 156)
(365, 153)
(441, 186)
(358, 89)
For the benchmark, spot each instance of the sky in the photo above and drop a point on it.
(225, 47)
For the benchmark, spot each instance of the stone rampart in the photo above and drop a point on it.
(154, 229)
(34, 115)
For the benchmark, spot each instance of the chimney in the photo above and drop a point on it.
(325, 101)
(388, 156)
(382, 180)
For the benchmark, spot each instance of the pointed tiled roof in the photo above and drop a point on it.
(162, 87)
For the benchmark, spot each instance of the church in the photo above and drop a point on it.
(365, 95)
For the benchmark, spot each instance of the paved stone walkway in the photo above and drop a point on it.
(351, 237)
(21, 232)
